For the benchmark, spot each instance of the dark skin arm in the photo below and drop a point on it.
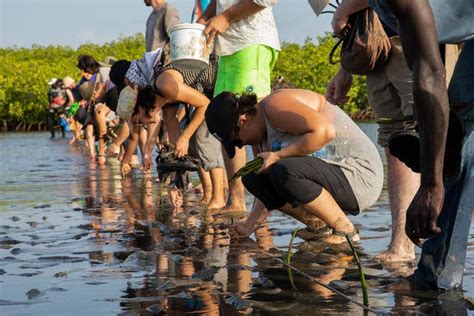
(420, 46)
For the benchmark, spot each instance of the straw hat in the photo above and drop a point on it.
(68, 81)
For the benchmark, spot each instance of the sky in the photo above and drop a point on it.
(72, 23)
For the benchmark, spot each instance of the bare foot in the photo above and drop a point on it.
(234, 207)
(414, 286)
(396, 254)
(176, 198)
(205, 200)
(216, 204)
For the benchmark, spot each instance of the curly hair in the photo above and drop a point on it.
(246, 104)
(145, 100)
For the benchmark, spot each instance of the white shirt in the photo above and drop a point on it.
(259, 28)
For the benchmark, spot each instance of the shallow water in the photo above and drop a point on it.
(79, 240)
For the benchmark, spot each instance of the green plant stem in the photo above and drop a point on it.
(288, 258)
(365, 294)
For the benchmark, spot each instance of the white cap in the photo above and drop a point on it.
(52, 81)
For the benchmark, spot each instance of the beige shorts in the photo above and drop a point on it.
(390, 94)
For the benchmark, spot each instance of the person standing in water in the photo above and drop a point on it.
(247, 42)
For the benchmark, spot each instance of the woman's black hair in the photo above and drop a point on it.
(145, 100)
(117, 73)
(246, 104)
(88, 64)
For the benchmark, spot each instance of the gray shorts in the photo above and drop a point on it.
(206, 148)
(390, 94)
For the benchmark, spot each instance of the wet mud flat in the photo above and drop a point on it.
(76, 239)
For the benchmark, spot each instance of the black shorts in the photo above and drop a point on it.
(300, 180)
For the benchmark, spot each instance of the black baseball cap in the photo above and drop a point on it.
(221, 119)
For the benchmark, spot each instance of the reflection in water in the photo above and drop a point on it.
(124, 235)
(192, 265)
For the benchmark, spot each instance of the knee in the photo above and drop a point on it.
(279, 173)
(250, 181)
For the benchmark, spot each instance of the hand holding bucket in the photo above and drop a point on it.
(189, 46)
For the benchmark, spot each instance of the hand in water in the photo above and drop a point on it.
(269, 158)
(423, 212)
(126, 169)
(146, 164)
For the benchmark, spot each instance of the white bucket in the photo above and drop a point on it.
(189, 50)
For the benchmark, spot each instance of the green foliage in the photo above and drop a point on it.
(308, 67)
(24, 72)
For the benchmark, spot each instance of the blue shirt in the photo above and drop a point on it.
(454, 19)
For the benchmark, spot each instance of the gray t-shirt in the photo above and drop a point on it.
(351, 150)
(157, 25)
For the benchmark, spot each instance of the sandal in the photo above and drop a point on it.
(168, 164)
(350, 235)
(311, 234)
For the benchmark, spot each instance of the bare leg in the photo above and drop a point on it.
(121, 137)
(327, 209)
(402, 184)
(303, 216)
(143, 138)
(217, 179)
(205, 178)
(236, 200)
(100, 118)
(90, 141)
(77, 134)
(171, 123)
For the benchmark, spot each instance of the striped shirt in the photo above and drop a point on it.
(202, 80)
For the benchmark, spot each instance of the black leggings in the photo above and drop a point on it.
(300, 180)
